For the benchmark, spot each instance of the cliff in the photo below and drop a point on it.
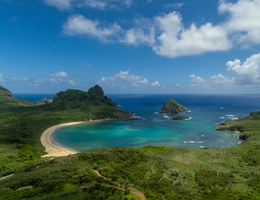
(172, 107)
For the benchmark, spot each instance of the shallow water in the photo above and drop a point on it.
(205, 112)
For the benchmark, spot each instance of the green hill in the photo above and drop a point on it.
(7, 99)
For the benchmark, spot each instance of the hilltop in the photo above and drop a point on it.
(172, 107)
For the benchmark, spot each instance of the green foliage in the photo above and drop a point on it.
(208, 180)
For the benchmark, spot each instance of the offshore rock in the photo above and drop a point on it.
(172, 107)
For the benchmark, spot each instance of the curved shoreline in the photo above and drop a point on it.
(52, 149)
(55, 150)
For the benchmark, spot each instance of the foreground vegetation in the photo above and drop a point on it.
(159, 172)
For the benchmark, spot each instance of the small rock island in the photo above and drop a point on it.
(180, 118)
(172, 107)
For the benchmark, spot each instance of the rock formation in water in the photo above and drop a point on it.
(180, 118)
(172, 107)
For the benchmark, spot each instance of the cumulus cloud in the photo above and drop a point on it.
(248, 71)
(175, 40)
(1, 78)
(196, 80)
(138, 36)
(60, 74)
(222, 80)
(243, 19)
(156, 83)
(167, 34)
(125, 76)
(79, 25)
(60, 4)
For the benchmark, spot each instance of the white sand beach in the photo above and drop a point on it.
(51, 148)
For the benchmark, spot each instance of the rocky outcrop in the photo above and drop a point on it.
(97, 90)
(6, 92)
(58, 95)
(180, 118)
(47, 101)
(172, 107)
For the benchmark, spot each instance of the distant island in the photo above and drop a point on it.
(172, 107)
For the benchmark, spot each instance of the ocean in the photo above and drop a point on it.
(205, 112)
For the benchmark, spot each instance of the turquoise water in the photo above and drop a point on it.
(205, 112)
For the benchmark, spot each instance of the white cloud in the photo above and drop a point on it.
(79, 25)
(104, 79)
(247, 71)
(196, 80)
(222, 80)
(125, 76)
(177, 85)
(1, 78)
(94, 4)
(137, 37)
(37, 81)
(60, 4)
(60, 74)
(176, 41)
(71, 82)
(174, 5)
(18, 78)
(243, 18)
(156, 83)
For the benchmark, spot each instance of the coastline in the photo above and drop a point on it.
(55, 150)
(52, 149)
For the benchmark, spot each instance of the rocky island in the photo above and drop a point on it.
(180, 118)
(172, 107)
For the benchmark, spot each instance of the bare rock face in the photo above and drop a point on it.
(58, 95)
(6, 92)
(97, 90)
(172, 107)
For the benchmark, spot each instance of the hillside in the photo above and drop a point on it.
(7, 99)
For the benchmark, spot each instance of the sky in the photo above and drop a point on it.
(130, 46)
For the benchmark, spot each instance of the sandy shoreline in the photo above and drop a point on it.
(55, 150)
(51, 148)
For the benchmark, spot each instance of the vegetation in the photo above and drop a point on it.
(159, 172)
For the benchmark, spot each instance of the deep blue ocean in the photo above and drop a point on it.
(205, 112)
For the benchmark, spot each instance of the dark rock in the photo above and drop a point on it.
(172, 107)
(97, 90)
(180, 118)
(58, 95)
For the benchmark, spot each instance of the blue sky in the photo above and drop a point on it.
(130, 46)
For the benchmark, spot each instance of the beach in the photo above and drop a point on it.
(52, 149)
